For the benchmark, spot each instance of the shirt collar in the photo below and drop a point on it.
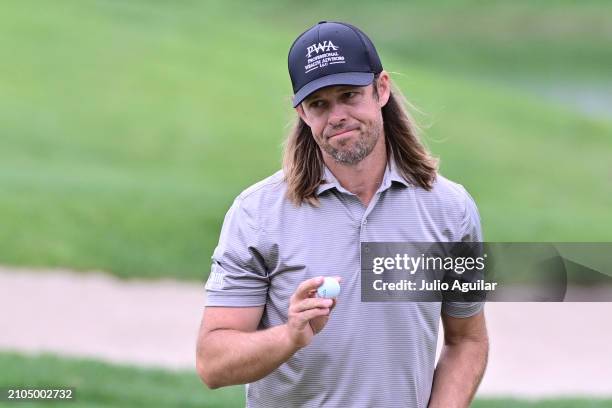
(394, 174)
(330, 181)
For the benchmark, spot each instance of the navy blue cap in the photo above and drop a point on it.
(331, 53)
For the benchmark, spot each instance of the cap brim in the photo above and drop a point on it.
(344, 78)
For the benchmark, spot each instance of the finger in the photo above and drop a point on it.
(333, 304)
(318, 323)
(310, 314)
(311, 303)
(306, 286)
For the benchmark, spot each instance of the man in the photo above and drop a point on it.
(354, 171)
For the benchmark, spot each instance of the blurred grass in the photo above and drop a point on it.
(99, 384)
(498, 39)
(127, 128)
(104, 385)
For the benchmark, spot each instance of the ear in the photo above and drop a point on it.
(384, 88)
(302, 114)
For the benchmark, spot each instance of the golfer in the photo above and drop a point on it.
(354, 171)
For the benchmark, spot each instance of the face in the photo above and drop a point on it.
(346, 121)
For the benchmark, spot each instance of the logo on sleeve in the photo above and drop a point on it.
(216, 278)
(330, 56)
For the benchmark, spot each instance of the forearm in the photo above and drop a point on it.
(228, 357)
(458, 373)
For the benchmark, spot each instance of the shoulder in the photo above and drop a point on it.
(262, 198)
(460, 207)
(271, 185)
(450, 207)
(450, 190)
(449, 194)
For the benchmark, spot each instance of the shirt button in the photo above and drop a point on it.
(365, 222)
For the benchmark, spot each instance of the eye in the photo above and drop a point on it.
(350, 96)
(317, 104)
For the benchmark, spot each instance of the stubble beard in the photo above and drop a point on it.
(349, 152)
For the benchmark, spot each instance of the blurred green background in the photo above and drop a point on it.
(98, 385)
(128, 127)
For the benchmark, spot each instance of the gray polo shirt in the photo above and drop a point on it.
(369, 354)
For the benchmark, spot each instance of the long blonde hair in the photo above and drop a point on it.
(303, 161)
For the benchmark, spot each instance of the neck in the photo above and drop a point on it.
(363, 178)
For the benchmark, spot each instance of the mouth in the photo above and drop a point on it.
(342, 133)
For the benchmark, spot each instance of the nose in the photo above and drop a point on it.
(337, 115)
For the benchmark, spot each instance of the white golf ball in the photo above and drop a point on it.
(329, 289)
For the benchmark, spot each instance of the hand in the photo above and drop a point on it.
(318, 323)
(305, 307)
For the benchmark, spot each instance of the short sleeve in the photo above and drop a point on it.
(238, 275)
(470, 231)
